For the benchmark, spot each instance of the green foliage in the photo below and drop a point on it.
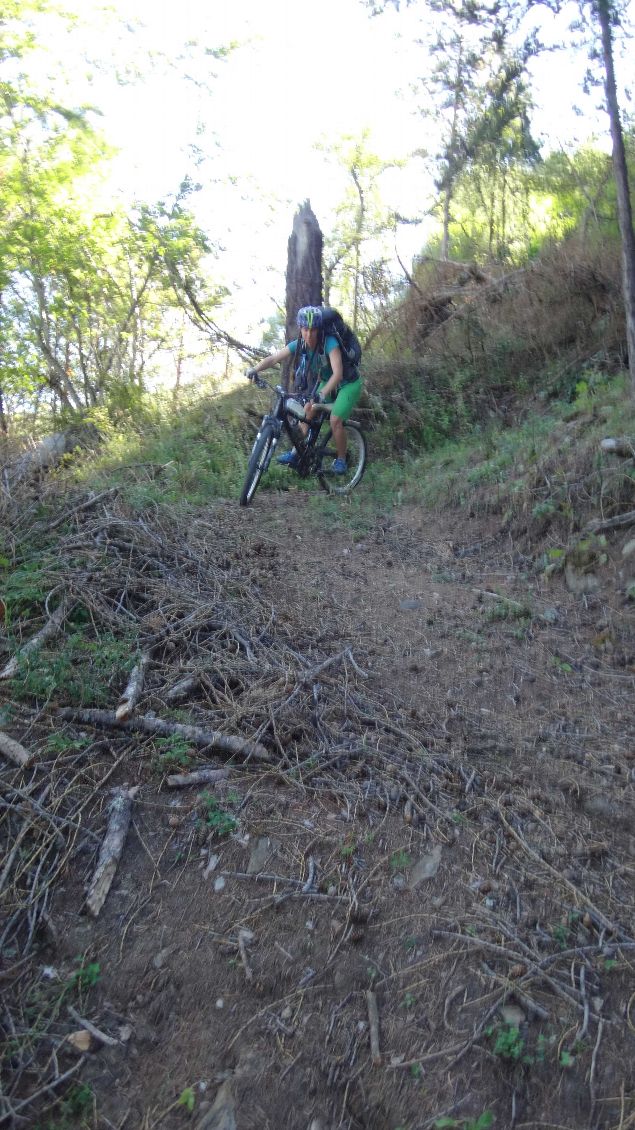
(508, 1044)
(86, 976)
(174, 753)
(24, 589)
(483, 1122)
(216, 818)
(73, 1110)
(187, 1098)
(58, 743)
(80, 671)
(400, 860)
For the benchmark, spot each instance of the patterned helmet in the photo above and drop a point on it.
(310, 317)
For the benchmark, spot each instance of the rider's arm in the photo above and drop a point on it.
(334, 381)
(274, 359)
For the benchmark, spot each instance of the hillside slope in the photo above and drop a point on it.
(411, 897)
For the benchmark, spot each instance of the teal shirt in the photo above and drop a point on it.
(314, 366)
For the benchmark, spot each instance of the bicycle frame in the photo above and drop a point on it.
(278, 420)
(313, 457)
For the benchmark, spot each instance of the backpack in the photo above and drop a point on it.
(332, 324)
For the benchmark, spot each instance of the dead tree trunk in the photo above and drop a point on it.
(624, 210)
(304, 268)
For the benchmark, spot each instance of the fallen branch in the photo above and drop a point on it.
(182, 688)
(51, 628)
(373, 1022)
(599, 524)
(82, 506)
(194, 734)
(13, 751)
(197, 777)
(132, 693)
(314, 672)
(97, 1033)
(111, 849)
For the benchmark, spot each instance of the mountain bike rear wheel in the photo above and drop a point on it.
(355, 461)
(258, 463)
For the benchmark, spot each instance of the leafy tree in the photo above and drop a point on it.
(89, 295)
(354, 259)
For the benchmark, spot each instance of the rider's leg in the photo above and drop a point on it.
(339, 435)
(343, 405)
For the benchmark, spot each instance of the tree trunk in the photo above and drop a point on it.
(624, 211)
(304, 268)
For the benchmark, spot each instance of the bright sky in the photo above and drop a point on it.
(301, 71)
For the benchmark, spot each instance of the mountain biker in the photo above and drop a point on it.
(320, 360)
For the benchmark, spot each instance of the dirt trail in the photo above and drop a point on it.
(467, 866)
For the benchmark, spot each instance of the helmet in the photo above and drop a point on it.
(310, 317)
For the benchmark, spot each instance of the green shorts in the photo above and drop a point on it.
(346, 398)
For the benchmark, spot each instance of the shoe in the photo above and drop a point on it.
(289, 459)
(338, 466)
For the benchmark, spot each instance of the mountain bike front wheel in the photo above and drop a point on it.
(355, 461)
(258, 462)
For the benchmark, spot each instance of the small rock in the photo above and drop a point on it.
(162, 956)
(629, 549)
(212, 864)
(398, 882)
(260, 854)
(426, 867)
(220, 1003)
(222, 1114)
(80, 1041)
(219, 883)
(410, 605)
(513, 1015)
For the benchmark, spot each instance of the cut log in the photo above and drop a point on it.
(134, 689)
(195, 734)
(197, 777)
(51, 628)
(118, 823)
(13, 751)
(619, 445)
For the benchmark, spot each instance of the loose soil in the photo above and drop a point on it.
(445, 830)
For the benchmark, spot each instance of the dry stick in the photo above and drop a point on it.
(373, 1021)
(131, 695)
(51, 628)
(43, 1090)
(194, 734)
(197, 777)
(111, 849)
(100, 1036)
(82, 506)
(242, 949)
(422, 796)
(310, 676)
(13, 751)
(608, 925)
(566, 994)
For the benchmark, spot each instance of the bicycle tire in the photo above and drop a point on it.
(356, 455)
(258, 463)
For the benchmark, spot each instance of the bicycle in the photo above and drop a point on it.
(315, 453)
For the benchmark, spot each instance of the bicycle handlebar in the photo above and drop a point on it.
(260, 382)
